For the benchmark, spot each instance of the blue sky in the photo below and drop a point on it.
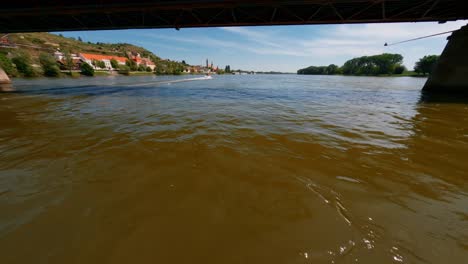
(281, 48)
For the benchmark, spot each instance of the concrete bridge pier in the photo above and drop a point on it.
(5, 82)
(450, 75)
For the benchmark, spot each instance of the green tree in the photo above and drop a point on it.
(101, 64)
(399, 69)
(148, 69)
(177, 71)
(132, 65)
(124, 69)
(386, 62)
(227, 69)
(372, 65)
(49, 65)
(68, 61)
(169, 69)
(320, 70)
(87, 69)
(426, 64)
(23, 65)
(141, 68)
(332, 69)
(7, 66)
(158, 70)
(114, 63)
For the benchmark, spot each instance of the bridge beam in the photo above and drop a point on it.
(5, 82)
(450, 75)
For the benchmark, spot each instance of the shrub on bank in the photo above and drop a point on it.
(23, 65)
(101, 64)
(114, 63)
(124, 69)
(49, 66)
(132, 65)
(141, 68)
(399, 69)
(158, 70)
(7, 66)
(87, 69)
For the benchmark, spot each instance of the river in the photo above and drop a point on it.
(237, 169)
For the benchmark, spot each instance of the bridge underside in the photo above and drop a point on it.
(52, 15)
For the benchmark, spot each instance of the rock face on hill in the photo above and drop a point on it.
(5, 83)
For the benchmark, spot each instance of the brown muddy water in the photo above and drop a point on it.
(238, 169)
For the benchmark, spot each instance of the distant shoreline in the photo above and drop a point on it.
(133, 74)
(380, 75)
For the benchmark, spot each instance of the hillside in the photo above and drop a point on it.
(34, 44)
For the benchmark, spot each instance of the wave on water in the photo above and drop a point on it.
(171, 81)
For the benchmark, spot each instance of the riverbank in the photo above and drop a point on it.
(136, 73)
(405, 74)
(45, 54)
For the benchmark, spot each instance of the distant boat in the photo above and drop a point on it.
(207, 77)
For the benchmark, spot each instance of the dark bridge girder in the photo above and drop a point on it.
(53, 15)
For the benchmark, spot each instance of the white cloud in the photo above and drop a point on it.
(197, 40)
(394, 31)
(368, 39)
(246, 32)
(334, 45)
(327, 42)
(158, 45)
(255, 36)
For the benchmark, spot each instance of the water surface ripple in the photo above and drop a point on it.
(238, 169)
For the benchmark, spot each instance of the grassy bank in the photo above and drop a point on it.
(139, 73)
(101, 73)
(72, 74)
(404, 74)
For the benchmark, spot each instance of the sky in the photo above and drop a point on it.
(281, 48)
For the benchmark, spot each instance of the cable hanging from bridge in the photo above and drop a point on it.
(428, 36)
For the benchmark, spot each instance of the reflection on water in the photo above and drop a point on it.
(238, 169)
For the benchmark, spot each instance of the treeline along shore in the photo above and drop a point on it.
(386, 64)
